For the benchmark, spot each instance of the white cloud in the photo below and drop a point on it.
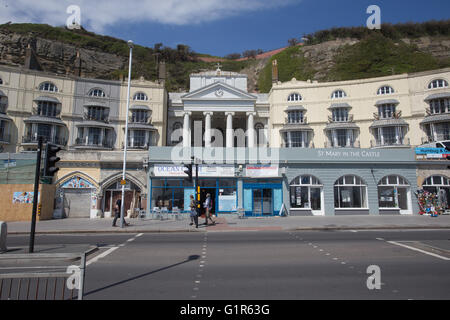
(97, 15)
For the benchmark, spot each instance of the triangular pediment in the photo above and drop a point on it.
(218, 91)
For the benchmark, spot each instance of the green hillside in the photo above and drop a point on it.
(377, 53)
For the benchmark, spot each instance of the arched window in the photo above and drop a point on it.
(338, 94)
(438, 83)
(440, 186)
(385, 90)
(350, 192)
(393, 192)
(1, 81)
(306, 193)
(48, 86)
(295, 97)
(177, 134)
(259, 132)
(99, 93)
(140, 96)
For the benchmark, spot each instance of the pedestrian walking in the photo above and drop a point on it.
(194, 213)
(208, 207)
(117, 213)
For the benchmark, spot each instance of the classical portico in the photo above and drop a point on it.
(219, 105)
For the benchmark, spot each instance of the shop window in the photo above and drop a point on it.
(393, 192)
(440, 187)
(305, 192)
(350, 192)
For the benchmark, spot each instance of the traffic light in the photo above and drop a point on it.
(50, 160)
(188, 171)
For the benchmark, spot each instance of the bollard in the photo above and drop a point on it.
(3, 233)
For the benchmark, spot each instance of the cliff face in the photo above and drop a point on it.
(58, 57)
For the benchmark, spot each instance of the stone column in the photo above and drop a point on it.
(229, 130)
(207, 128)
(186, 130)
(250, 130)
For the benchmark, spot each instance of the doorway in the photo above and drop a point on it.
(262, 199)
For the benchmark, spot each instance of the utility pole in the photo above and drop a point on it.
(35, 195)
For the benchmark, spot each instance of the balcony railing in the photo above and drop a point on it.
(5, 138)
(100, 118)
(3, 107)
(395, 115)
(136, 145)
(348, 119)
(405, 142)
(354, 144)
(437, 137)
(35, 139)
(54, 114)
(146, 120)
(304, 120)
(94, 143)
(294, 145)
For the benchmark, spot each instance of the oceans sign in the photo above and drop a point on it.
(162, 170)
(432, 153)
(262, 170)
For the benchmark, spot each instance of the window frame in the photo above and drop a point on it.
(382, 90)
(47, 86)
(94, 90)
(434, 84)
(294, 97)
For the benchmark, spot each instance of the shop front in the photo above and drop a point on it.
(310, 182)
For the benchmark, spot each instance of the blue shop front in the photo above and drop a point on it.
(297, 182)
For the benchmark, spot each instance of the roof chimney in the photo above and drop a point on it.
(162, 72)
(274, 71)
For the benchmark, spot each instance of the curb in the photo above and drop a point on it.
(232, 230)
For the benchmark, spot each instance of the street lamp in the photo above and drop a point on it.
(122, 205)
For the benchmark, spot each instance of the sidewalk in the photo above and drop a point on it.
(233, 223)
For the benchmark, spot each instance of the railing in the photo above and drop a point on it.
(52, 277)
(348, 119)
(38, 112)
(35, 138)
(405, 142)
(146, 120)
(395, 115)
(437, 137)
(302, 121)
(308, 145)
(86, 142)
(354, 144)
(5, 137)
(136, 146)
(100, 118)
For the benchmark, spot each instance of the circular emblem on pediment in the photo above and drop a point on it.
(219, 93)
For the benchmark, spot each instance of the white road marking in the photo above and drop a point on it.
(419, 250)
(102, 255)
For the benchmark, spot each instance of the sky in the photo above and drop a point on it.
(218, 27)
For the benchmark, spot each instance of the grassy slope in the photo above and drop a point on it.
(374, 56)
(291, 64)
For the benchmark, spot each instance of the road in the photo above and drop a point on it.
(261, 265)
